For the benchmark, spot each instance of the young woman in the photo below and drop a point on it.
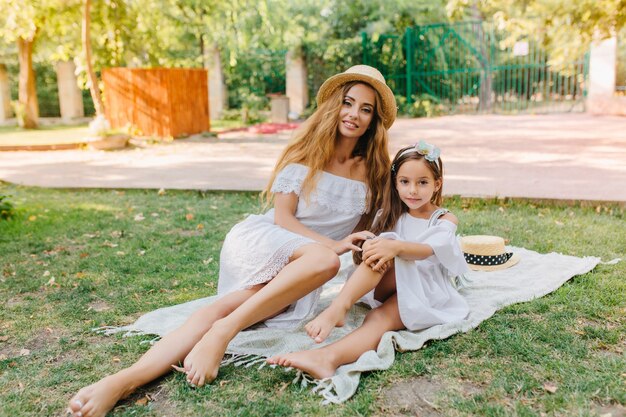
(325, 185)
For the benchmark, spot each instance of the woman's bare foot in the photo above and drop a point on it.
(313, 362)
(98, 399)
(320, 327)
(203, 362)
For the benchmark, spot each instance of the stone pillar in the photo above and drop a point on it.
(601, 97)
(70, 96)
(218, 95)
(279, 105)
(602, 68)
(297, 89)
(5, 95)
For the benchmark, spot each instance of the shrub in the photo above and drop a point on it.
(6, 207)
(424, 105)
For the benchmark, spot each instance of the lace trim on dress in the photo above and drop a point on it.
(333, 192)
(287, 185)
(277, 262)
(349, 200)
(290, 179)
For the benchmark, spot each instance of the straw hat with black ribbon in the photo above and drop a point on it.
(487, 253)
(368, 75)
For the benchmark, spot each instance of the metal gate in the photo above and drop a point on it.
(470, 67)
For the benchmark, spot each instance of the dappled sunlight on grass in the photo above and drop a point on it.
(92, 258)
(97, 207)
(43, 136)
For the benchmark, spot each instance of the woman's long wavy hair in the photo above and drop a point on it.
(314, 143)
(393, 207)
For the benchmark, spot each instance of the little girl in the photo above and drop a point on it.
(405, 273)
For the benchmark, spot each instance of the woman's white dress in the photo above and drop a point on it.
(256, 249)
(426, 296)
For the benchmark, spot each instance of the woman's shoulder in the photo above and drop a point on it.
(294, 169)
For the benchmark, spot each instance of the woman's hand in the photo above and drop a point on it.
(347, 243)
(378, 253)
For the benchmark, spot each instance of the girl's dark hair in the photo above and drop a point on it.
(393, 207)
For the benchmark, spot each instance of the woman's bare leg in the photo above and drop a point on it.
(362, 281)
(97, 399)
(310, 267)
(323, 363)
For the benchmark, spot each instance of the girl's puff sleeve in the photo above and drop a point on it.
(290, 179)
(443, 240)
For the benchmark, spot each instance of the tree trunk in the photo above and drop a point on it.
(484, 103)
(91, 74)
(28, 113)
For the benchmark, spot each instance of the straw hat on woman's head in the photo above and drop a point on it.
(368, 75)
(487, 253)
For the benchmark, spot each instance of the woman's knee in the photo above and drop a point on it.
(325, 261)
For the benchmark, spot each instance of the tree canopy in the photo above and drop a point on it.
(178, 33)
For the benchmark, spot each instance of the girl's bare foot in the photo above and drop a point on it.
(98, 399)
(313, 362)
(320, 327)
(203, 362)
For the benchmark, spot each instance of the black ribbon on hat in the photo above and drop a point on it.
(487, 260)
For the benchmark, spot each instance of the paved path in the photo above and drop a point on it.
(566, 156)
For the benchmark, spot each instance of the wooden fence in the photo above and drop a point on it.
(158, 101)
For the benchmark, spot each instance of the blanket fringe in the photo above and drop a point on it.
(246, 360)
(612, 261)
(460, 281)
(127, 330)
(326, 389)
(151, 341)
(111, 330)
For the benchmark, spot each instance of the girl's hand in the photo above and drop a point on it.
(378, 252)
(347, 243)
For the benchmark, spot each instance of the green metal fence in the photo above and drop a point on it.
(470, 67)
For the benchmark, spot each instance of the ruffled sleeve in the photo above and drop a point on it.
(443, 240)
(290, 179)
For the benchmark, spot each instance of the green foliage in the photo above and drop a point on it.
(423, 105)
(6, 208)
(567, 27)
(47, 89)
(19, 110)
(251, 79)
(331, 38)
(252, 36)
(621, 60)
(36, 18)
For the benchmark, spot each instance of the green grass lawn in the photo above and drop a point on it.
(74, 260)
(63, 134)
(45, 135)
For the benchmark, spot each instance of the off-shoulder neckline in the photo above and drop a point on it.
(333, 175)
(419, 218)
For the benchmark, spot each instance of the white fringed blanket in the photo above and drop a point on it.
(535, 276)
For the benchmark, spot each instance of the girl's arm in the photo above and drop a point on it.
(284, 216)
(377, 252)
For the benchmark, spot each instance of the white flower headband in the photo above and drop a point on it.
(431, 152)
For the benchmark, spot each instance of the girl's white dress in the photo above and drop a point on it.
(426, 296)
(256, 249)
